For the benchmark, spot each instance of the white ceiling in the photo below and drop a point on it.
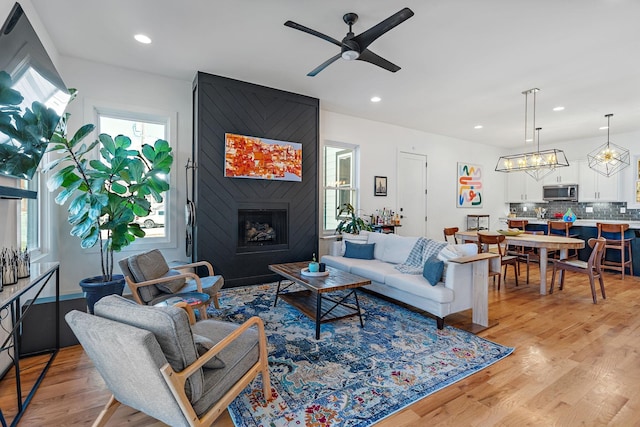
(464, 62)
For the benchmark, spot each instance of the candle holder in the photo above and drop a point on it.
(24, 264)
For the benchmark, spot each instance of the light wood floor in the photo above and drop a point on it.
(575, 363)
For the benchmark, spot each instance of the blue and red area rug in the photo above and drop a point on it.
(351, 376)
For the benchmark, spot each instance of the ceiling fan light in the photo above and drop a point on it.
(350, 55)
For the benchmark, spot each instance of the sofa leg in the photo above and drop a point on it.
(440, 322)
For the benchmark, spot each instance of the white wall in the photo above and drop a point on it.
(106, 86)
(379, 146)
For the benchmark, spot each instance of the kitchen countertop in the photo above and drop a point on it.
(579, 222)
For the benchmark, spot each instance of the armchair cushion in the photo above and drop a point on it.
(152, 265)
(170, 325)
(173, 286)
(204, 344)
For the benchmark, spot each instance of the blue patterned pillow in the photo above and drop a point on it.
(355, 250)
(432, 270)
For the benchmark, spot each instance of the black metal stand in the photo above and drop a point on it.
(42, 278)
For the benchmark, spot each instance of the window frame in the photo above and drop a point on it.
(169, 119)
(354, 187)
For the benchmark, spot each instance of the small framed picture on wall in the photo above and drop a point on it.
(380, 186)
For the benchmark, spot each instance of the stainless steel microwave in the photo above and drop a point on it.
(566, 192)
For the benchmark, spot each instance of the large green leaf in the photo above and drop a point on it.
(81, 134)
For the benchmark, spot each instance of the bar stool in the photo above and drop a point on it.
(451, 232)
(616, 240)
(562, 228)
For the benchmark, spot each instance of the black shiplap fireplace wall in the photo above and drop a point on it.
(222, 105)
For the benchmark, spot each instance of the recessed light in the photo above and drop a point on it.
(477, 127)
(558, 108)
(528, 140)
(142, 38)
(376, 99)
(603, 127)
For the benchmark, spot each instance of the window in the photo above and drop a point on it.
(340, 181)
(142, 129)
(29, 217)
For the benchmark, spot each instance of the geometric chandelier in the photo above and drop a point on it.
(609, 158)
(538, 163)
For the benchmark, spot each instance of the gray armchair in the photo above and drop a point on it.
(152, 281)
(154, 361)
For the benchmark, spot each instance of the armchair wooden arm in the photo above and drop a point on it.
(196, 264)
(176, 380)
(135, 285)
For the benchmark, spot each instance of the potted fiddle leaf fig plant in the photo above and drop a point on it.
(105, 195)
(350, 222)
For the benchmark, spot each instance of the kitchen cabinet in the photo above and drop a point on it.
(564, 175)
(595, 187)
(522, 188)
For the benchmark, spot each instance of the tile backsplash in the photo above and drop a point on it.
(600, 210)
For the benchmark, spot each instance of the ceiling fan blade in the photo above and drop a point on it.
(307, 30)
(324, 65)
(366, 38)
(374, 59)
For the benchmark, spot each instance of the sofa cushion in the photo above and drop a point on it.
(397, 248)
(432, 270)
(148, 266)
(359, 251)
(418, 285)
(379, 239)
(355, 238)
(374, 270)
(342, 263)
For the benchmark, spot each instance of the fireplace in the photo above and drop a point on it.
(262, 230)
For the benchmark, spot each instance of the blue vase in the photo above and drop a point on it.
(569, 216)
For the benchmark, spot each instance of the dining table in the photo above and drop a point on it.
(542, 242)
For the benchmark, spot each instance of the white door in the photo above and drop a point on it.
(412, 194)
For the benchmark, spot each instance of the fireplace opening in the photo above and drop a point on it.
(262, 229)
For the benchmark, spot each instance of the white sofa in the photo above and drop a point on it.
(453, 294)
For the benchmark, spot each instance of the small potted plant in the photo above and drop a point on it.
(350, 223)
(106, 195)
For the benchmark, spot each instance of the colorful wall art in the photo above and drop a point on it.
(470, 188)
(261, 158)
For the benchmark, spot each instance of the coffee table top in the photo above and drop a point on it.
(335, 281)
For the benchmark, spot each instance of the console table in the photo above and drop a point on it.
(41, 274)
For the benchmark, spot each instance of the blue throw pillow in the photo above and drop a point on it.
(359, 251)
(432, 270)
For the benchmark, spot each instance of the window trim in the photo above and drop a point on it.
(95, 109)
(355, 185)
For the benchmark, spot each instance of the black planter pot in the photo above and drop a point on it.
(94, 288)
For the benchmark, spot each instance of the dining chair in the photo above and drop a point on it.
(614, 234)
(485, 241)
(592, 267)
(525, 255)
(561, 228)
(450, 233)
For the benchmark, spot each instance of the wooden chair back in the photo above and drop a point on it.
(518, 223)
(451, 232)
(492, 239)
(560, 227)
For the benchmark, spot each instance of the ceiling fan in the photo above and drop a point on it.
(355, 47)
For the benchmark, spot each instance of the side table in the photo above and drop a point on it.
(196, 300)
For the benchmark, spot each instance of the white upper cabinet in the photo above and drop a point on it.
(522, 188)
(595, 187)
(565, 175)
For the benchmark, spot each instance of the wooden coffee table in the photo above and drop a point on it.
(315, 301)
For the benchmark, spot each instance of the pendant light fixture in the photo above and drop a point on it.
(537, 163)
(608, 159)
